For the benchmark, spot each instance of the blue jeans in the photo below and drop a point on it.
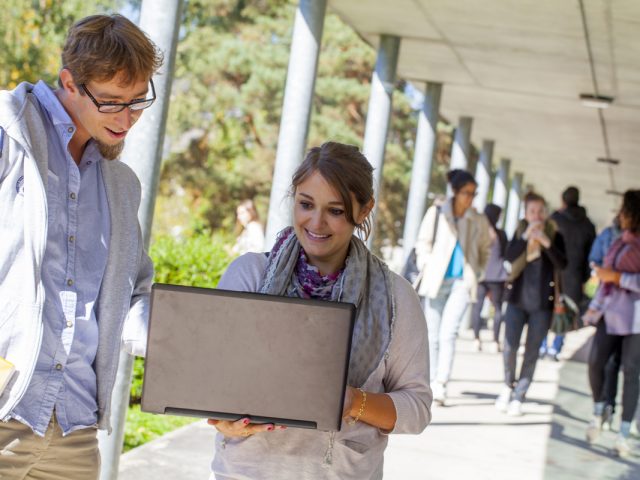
(444, 315)
(538, 325)
(556, 346)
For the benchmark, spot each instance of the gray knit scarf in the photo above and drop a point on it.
(366, 282)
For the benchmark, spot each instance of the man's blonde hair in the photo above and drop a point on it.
(99, 47)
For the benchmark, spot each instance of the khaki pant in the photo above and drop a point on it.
(27, 456)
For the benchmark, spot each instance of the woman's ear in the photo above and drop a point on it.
(365, 211)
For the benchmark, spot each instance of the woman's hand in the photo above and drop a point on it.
(242, 427)
(538, 235)
(607, 275)
(591, 317)
(348, 401)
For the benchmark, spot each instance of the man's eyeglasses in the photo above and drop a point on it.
(111, 107)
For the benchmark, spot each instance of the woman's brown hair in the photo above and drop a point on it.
(347, 170)
(99, 47)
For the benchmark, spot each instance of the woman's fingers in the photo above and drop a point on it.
(242, 427)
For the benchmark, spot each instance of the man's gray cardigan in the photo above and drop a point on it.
(124, 294)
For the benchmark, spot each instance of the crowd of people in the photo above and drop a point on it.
(76, 279)
(530, 279)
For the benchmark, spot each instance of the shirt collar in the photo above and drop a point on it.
(52, 105)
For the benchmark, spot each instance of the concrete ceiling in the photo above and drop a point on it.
(518, 67)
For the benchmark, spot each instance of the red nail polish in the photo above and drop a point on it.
(270, 427)
(246, 421)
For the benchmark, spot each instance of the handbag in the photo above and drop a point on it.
(410, 271)
(565, 316)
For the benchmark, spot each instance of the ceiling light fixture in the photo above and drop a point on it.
(595, 101)
(610, 161)
(614, 192)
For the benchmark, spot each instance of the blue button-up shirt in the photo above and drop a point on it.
(74, 262)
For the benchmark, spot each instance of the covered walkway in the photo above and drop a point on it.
(468, 439)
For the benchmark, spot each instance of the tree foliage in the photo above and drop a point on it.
(32, 33)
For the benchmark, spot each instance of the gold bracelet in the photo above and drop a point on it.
(361, 410)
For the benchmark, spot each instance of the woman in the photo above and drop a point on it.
(319, 257)
(250, 235)
(615, 313)
(535, 251)
(452, 250)
(493, 280)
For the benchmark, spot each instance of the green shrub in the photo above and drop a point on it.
(143, 427)
(198, 261)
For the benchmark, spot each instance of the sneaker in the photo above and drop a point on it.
(502, 402)
(515, 408)
(634, 430)
(607, 418)
(439, 393)
(477, 345)
(594, 428)
(622, 446)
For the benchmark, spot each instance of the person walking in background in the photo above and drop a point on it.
(614, 311)
(249, 231)
(535, 250)
(494, 278)
(75, 278)
(320, 257)
(452, 250)
(578, 232)
(598, 252)
(603, 242)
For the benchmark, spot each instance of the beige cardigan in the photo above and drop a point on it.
(433, 257)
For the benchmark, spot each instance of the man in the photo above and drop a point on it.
(72, 263)
(578, 233)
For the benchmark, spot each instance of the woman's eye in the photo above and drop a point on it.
(306, 205)
(336, 212)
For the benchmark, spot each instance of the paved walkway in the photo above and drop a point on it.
(467, 439)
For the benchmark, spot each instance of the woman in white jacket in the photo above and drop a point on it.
(452, 250)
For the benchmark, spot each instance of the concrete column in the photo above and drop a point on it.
(160, 19)
(513, 209)
(461, 149)
(500, 186)
(426, 137)
(483, 175)
(379, 112)
(296, 111)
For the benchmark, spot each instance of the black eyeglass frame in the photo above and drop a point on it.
(122, 105)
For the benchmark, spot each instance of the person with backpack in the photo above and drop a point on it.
(452, 251)
(493, 280)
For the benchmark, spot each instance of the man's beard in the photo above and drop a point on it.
(110, 152)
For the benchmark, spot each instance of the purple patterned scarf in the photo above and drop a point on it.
(364, 281)
(623, 255)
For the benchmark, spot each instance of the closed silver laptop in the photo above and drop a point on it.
(226, 355)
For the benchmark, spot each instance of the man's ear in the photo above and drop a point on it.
(68, 84)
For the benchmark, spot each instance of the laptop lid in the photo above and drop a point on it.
(226, 355)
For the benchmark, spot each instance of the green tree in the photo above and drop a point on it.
(32, 33)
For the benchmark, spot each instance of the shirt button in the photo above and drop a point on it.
(72, 238)
(70, 129)
(89, 162)
(72, 195)
(550, 297)
(69, 282)
(552, 284)
(69, 324)
(58, 366)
